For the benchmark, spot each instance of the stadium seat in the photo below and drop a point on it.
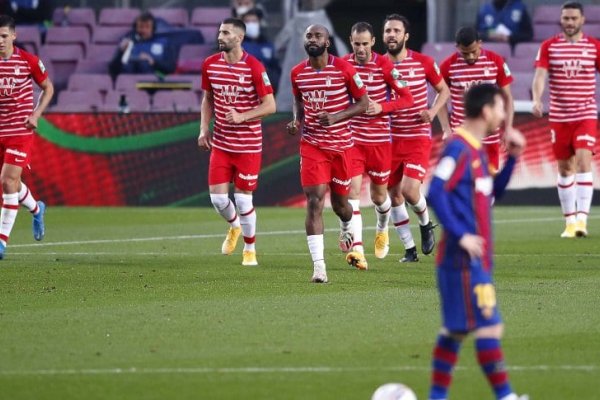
(191, 57)
(195, 79)
(542, 32)
(521, 64)
(68, 35)
(28, 37)
(78, 101)
(126, 82)
(439, 51)
(521, 87)
(592, 30)
(101, 83)
(120, 16)
(592, 13)
(175, 100)
(92, 66)
(499, 48)
(137, 100)
(101, 51)
(211, 16)
(174, 16)
(83, 16)
(546, 14)
(209, 33)
(64, 59)
(110, 34)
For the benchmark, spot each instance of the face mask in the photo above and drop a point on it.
(253, 30)
(241, 10)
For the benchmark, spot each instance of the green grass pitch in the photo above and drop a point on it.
(139, 304)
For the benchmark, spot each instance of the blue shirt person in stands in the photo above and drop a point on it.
(256, 43)
(144, 52)
(504, 21)
(461, 193)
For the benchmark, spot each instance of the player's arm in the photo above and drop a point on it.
(403, 99)
(206, 114)
(509, 107)
(515, 144)
(537, 90)
(443, 94)
(266, 107)
(44, 100)
(443, 117)
(356, 108)
(297, 115)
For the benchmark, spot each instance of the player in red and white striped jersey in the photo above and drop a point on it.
(322, 86)
(372, 151)
(411, 135)
(469, 66)
(18, 70)
(570, 61)
(238, 93)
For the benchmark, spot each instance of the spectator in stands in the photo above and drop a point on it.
(241, 7)
(504, 21)
(257, 44)
(143, 52)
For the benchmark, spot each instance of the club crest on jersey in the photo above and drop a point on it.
(316, 99)
(571, 68)
(328, 81)
(241, 79)
(7, 85)
(230, 93)
(17, 70)
(370, 78)
(411, 73)
(486, 71)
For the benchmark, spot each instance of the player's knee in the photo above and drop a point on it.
(10, 184)
(219, 201)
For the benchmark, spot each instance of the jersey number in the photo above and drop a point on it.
(486, 298)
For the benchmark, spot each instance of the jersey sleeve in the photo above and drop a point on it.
(597, 43)
(542, 59)
(445, 69)
(451, 168)
(404, 97)
(37, 68)
(293, 75)
(355, 84)
(432, 71)
(505, 77)
(206, 86)
(260, 78)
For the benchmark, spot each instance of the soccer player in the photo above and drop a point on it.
(472, 65)
(237, 91)
(18, 120)
(461, 193)
(322, 87)
(372, 150)
(411, 135)
(570, 61)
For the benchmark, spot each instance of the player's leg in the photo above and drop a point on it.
(356, 257)
(567, 191)
(401, 221)
(247, 167)
(379, 169)
(585, 140)
(341, 177)
(445, 356)
(37, 210)
(220, 174)
(10, 176)
(315, 200)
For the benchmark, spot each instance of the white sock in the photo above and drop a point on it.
(225, 208)
(346, 226)
(27, 200)
(567, 197)
(585, 191)
(402, 224)
(357, 226)
(10, 207)
(421, 210)
(316, 248)
(247, 219)
(383, 214)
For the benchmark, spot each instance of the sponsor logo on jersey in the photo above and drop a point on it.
(42, 66)
(396, 74)
(316, 99)
(230, 93)
(379, 174)
(265, 79)
(436, 68)
(506, 69)
(7, 85)
(416, 167)
(248, 177)
(341, 182)
(571, 68)
(16, 153)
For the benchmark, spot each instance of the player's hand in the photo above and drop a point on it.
(374, 108)
(472, 244)
(514, 142)
(146, 57)
(204, 141)
(427, 116)
(326, 119)
(446, 133)
(293, 127)
(31, 122)
(124, 43)
(234, 117)
(538, 109)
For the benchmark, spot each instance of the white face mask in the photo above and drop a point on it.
(241, 10)
(253, 30)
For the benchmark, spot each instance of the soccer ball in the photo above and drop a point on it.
(394, 391)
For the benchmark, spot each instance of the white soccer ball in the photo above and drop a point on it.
(394, 391)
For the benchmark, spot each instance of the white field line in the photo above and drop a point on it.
(271, 370)
(220, 235)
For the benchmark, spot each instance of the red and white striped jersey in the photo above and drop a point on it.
(17, 74)
(327, 90)
(379, 77)
(239, 86)
(572, 76)
(460, 76)
(416, 70)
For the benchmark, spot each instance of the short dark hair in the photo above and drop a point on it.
(253, 11)
(479, 96)
(362, 27)
(466, 36)
(398, 17)
(146, 17)
(7, 21)
(574, 5)
(238, 23)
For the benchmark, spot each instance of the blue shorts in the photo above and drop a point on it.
(468, 297)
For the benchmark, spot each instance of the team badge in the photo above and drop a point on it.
(265, 79)
(328, 81)
(241, 79)
(17, 70)
(411, 73)
(486, 71)
(370, 79)
(585, 53)
(358, 81)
